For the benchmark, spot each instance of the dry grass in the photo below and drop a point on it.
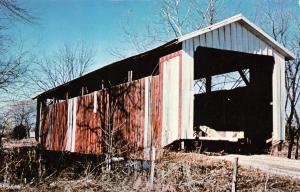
(174, 172)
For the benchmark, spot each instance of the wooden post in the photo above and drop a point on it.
(67, 95)
(38, 116)
(208, 84)
(152, 166)
(182, 144)
(130, 76)
(82, 91)
(102, 84)
(234, 174)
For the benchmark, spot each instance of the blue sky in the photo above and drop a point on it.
(98, 22)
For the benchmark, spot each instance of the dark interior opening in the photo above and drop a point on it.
(235, 93)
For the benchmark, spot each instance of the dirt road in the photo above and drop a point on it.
(269, 164)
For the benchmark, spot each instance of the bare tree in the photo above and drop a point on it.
(23, 113)
(17, 114)
(292, 86)
(3, 126)
(210, 12)
(12, 70)
(69, 62)
(179, 17)
(278, 21)
(296, 46)
(12, 67)
(175, 18)
(12, 11)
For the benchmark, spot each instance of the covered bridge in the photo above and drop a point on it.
(225, 82)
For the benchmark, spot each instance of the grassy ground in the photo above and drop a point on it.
(174, 172)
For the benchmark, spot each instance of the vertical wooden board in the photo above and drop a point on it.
(97, 125)
(239, 37)
(93, 126)
(54, 123)
(52, 135)
(98, 138)
(42, 127)
(233, 36)
(58, 123)
(151, 125)
(279, 94)
(245, 35)
(136, 111)
(78, 136)
(209, 39)
(85, 124)
(132, 127)
(159, 112)
(49, 131)
(62, 143)
(186, 64)
(228, 41)
(88, 121)
(187, 90)
(190, 83)
(171, 98)
(74, 124)
(164, 101)
(276, 100)
(283, 95)
(260, 44)
(142, 112)
(257, 48)
(202, 39)
(222, 38)
(80, 123)
(155, 115)
(270, 51)
(264, 48)
(66, 136)
(215, 35)
(63, 130)
(174, 104)
(251, 42)
(196, 42)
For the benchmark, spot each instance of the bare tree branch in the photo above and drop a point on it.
(68, 63)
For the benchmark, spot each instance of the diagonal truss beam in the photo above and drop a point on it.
(241, 72)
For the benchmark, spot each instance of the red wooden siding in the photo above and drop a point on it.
(87, 126)
(54, 121)
(156, 108)
(122, 108)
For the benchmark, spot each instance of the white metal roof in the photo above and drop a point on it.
(250, 26)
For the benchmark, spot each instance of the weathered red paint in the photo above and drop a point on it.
(121, 107)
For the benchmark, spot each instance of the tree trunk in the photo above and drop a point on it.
(291, 134)
(297, 143)
(291, 142)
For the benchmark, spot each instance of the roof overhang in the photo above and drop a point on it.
(156, 50)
